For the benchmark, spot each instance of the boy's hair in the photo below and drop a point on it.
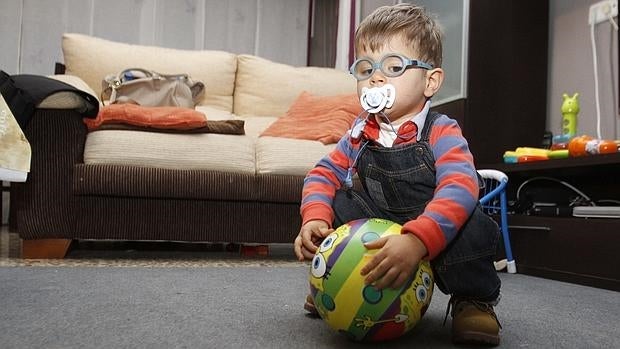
(411, 22)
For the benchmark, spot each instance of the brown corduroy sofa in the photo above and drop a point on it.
(136, 185)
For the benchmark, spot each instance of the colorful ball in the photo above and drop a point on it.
(347, 304)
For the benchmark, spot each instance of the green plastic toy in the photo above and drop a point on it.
(570, 109)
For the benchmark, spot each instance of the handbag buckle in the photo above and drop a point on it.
(115, 83)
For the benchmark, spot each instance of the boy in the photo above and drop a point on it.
(415, 168)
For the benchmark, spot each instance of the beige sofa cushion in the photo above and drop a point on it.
(255, 125)
(286, 156)
(266, 88)
(207, 151)
(93, 58)
(214, 113)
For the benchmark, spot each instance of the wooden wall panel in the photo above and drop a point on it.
(178, 23)
(43, 23)
(31, 30)
(77, 15)
(39, 48)
(237, 33)
(10, 15)
(125, 21)
(283, 23)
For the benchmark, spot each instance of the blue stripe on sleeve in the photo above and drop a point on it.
(457, 194)
(316, 197)
(446, 226)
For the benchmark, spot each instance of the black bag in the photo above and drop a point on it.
(24, 92)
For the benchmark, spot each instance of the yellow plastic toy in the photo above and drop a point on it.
(528, 154)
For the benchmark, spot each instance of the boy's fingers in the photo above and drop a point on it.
(307, 254)
(400, 280)
(371, 266)
(325, 231)
(375, 244)
(379, 276)
(298, 246)
(308, 245)
(391, 279)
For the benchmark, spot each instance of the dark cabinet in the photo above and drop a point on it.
(506, 78)
(572, 249)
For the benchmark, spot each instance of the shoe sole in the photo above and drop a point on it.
(309, 306)
(476, 338)
(311, 309)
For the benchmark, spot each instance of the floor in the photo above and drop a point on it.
(149, 254)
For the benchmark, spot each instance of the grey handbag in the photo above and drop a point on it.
(151, 89)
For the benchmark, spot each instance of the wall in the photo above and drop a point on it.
(450, 15)
(570, 66)
(258, 27)
(31, 30)
(571, 69)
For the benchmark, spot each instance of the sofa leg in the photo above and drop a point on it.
(45, 248)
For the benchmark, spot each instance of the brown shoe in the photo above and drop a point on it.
(473, 322)
(309, 306)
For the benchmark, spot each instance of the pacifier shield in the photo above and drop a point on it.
(375, 99)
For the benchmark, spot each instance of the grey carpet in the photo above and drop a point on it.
(260, 307)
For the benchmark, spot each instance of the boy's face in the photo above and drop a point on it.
(412, 88)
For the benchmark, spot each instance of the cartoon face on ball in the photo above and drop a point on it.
(346, 303)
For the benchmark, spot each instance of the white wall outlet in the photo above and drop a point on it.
(601, 11)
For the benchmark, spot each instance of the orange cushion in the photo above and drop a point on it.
(320, 118)
(171, 118)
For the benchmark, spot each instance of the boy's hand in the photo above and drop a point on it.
(310, 236)
(395, 261)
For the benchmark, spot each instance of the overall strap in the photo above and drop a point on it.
(428, 125)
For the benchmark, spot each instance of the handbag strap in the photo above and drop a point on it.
(151, 74)
(147, 73)
(116, 81)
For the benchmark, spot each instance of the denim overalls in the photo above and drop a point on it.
(398, 183)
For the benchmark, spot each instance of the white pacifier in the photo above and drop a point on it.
(376, 99)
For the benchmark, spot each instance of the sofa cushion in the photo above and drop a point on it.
(92, 58)
(214, 113)
(286, 156)
(255, 125)
(266, 88)
(319, 118)
(170, 118)
(216, 152)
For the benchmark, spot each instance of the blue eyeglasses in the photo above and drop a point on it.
(392, 65)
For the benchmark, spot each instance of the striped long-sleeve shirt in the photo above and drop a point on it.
(454, 199)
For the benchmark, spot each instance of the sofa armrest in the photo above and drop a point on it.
(44, 206)
(69, 100)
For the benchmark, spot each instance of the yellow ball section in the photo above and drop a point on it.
(349, 306)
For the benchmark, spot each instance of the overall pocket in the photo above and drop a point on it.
(400, 191)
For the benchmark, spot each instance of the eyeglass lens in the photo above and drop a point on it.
(391, 66)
